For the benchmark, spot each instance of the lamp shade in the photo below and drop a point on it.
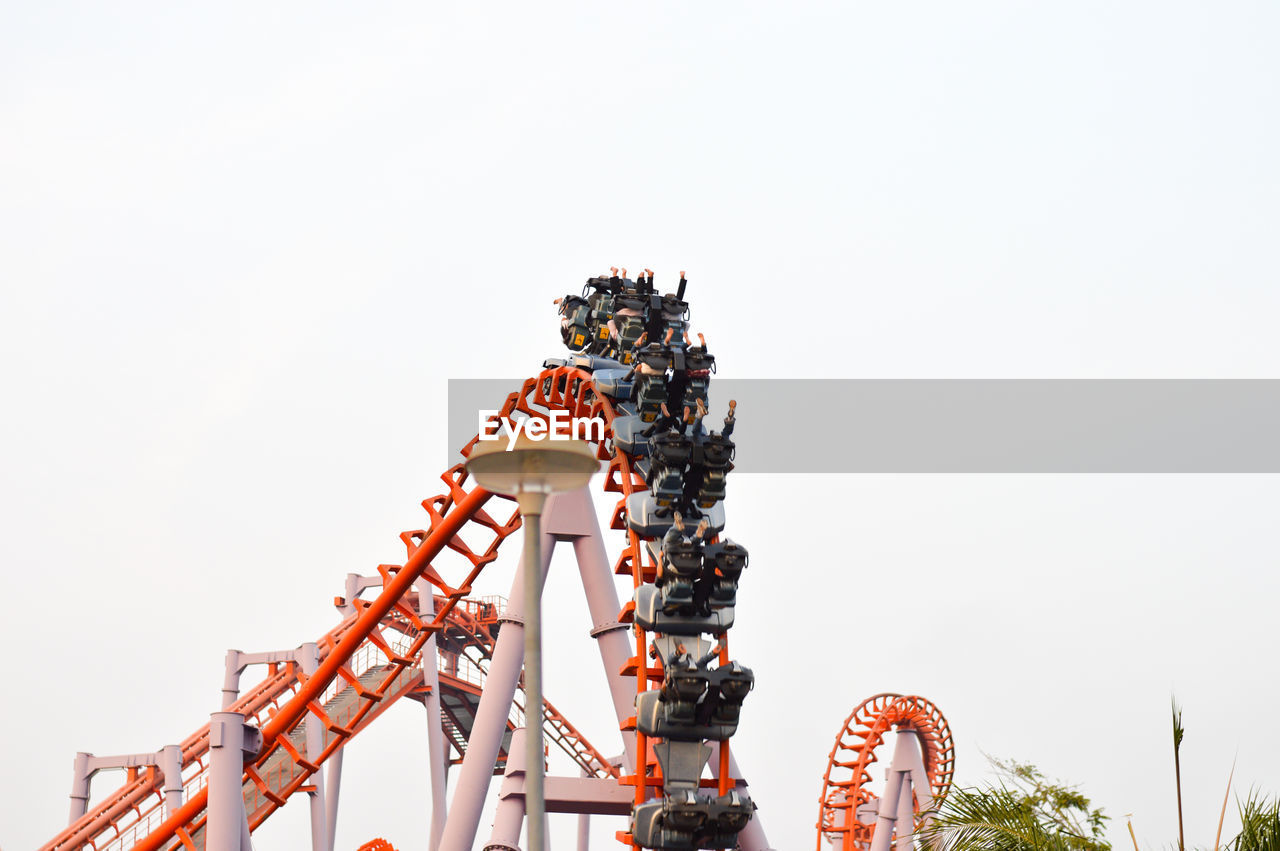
(532, 466)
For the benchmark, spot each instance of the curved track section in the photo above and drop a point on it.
(367, 662)
(374, 657)
(846, 784)
(378, 844)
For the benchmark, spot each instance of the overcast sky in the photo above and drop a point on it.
(242, 250)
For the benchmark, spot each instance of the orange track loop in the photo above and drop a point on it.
(378, 844)
(848, 775)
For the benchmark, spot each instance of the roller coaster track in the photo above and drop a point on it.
(374, 657)
(846, 784)
(466, 644)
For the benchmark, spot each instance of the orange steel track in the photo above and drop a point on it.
(848, 776)
(360, 658)
(378, 844)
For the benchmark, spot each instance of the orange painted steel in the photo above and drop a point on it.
(378, 844)
(468, 628)
(130, 817)
(845, 786)
(449, 512)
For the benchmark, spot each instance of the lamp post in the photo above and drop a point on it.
(530, 470)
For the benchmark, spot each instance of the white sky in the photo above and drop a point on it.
(242, 250)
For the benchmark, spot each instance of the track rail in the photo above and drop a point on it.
(359, 659)
(846, 783)
(358, 656)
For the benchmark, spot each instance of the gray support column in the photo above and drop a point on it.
(534, 769)
(897, 785)
(509, 815)
(572, 516)
(919, 780)
(229, 741)
(171, 765)
(168, 760)
(333, 785)
(231, 679)
(584, 825)
(437, 757)
(490, 722)
(906, 815)
(80, 787)
(309, 659)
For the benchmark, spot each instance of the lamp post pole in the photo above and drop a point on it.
(529, 470)
(531, 504)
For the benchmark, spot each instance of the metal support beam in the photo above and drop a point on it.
(437, 755)
(574, 519)
(905, 776)
(509, 815)
(584, 827)
(230, 741)
(333, 786)
(490, 723)
(168, 760)
(309, 658)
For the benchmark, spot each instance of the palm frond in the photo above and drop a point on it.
(1001, 819)
(1260, 825)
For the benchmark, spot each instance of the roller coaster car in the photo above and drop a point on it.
(682, 557)
(614, 382)
(630, 300)
(670, 448)
(599, 293)
(669, 451)
(681, 570)
(728, 558)
(698, 359)
(699, 698)
(695, 699)
(649, 520)
(719, 586)
(627, 325)
(683, 685)
(715, 592)
(678, 596)
(695, 391)
(628, 435)
(673, 308)
(668, 720)
(601, 345)
(602, 285)
(666, 313)
(650, 394)
(591, 363)
(575, 323)
(652, 363)
(659, 610)
(732, 684)
(687, 821)
(711, 461)
(596, 363)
